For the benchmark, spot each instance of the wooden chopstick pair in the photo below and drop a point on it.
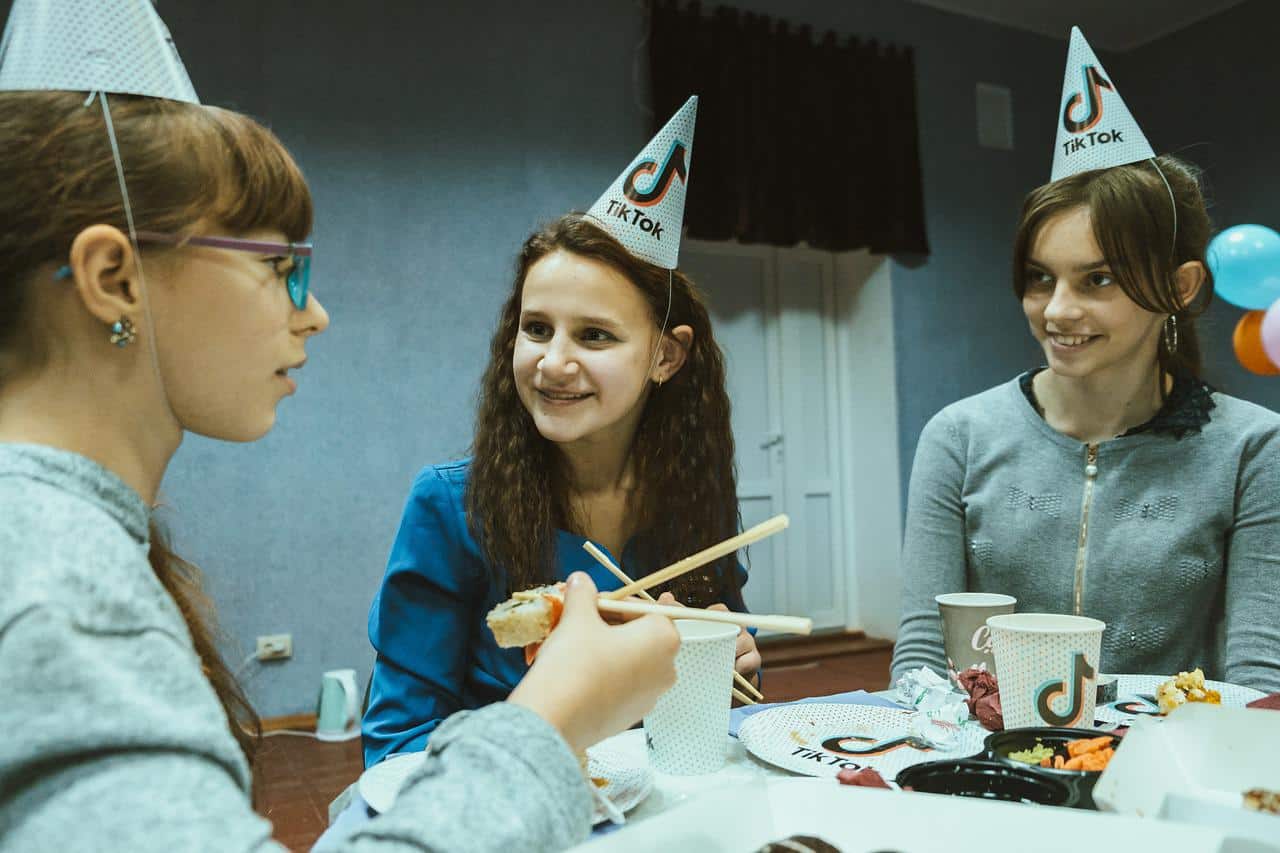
(603, 559)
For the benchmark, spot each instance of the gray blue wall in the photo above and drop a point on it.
(437, 135)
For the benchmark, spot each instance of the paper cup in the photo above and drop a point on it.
(687, 732)
(1048, 665)
(965, 636)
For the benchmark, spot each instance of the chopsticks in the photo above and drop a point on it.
(783, 624)
(603, 559)
(762, 530)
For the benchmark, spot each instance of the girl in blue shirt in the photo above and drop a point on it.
(601, 418)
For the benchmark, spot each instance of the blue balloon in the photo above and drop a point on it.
(1245, 262)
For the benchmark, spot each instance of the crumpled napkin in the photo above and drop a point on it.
(941, 709)
(984, 697)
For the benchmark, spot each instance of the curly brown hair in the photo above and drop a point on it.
(682, 454)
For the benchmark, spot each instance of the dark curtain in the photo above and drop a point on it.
(797, 139)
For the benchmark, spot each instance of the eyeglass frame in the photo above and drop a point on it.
(297, 281)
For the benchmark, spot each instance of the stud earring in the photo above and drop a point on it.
(123, 332)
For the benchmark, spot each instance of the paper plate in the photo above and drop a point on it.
(1136, 697)
(627, 778)
(823, 739)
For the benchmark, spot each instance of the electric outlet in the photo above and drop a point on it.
(275, 646)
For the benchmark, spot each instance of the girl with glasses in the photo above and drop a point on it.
(126, 730)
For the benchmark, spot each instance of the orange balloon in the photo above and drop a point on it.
(1247, 341)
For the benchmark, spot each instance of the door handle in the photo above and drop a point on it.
(771, 440)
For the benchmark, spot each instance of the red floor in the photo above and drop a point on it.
(300, 776)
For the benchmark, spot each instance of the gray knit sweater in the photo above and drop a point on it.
(1180, 557)
(113, 740)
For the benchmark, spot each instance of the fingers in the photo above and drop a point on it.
(580, 599)
(719, 607)
(749, 663)
(655, 629)
(746, 643)
(667, 598)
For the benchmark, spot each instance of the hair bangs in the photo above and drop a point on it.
(262, 186)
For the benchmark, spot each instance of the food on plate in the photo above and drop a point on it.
(799, 844)
(866, 777)
(1088, 754)
(1185, 687)
(1262, 800)
(527, 618)
(1034, 755)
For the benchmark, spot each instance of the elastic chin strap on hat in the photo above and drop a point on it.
(657, 350)
(150, 329)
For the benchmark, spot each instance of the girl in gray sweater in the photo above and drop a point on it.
(124, 728)
(1114, 483)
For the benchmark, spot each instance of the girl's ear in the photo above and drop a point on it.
(1190, 277)
(673, 350)
(102, 263)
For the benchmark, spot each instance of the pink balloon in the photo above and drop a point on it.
(1270, 333)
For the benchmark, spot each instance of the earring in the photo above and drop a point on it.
(1171, 334)
(122, 332)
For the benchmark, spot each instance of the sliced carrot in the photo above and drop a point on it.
(1047, 761)
(557, 607)
(531, 652)
(1087, 745)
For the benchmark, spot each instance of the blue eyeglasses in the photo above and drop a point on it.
(297, 280)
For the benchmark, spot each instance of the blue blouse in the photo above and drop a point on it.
(435, 654)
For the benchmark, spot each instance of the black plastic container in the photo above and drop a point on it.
(998, 745)
(989, 779)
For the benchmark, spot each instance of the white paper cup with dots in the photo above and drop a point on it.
(1048, 668)
(687, 732)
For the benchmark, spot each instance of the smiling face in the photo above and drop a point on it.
(1086, 324)
(228, 335)
(583, 350)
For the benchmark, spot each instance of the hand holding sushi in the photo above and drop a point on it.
(591, 679)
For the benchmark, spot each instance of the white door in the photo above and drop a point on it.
(774, 316)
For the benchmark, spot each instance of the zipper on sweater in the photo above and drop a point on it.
(1090, 475)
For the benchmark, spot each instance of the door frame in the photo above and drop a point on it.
(860, 344)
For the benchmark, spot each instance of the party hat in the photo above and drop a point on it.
(1095, 128)
(644, 208)
(116, 46)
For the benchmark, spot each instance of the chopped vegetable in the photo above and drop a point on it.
(1035, 755)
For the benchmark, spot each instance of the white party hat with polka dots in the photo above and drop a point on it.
(1095, 128)
(644, 208)
(105, 46)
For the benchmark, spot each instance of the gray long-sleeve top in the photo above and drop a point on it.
(114, 740)
(1180, 556)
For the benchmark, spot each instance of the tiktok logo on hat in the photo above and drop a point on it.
(1096, 129)
(1094, 83)
(672, 167)
(644, 207)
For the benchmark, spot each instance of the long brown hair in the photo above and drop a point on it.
(682, 455)
(185, 164)
(1134, 224)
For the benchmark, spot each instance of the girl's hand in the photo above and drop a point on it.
(747, 660)
(592, 680)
